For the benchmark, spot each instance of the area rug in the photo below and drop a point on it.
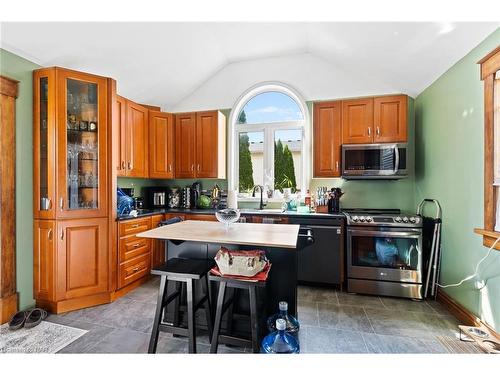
(455, 345)
(46, 337)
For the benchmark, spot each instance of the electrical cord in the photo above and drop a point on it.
(476, 270)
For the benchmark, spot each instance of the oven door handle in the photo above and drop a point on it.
(377, 233)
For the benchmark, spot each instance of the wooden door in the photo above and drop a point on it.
(185, 126)
(161, 145)
(121, 119)
(137, 140)
(44, 144)
(158, 246)
(390, 118)
(81, 165)
(206, 144)
(82, 258)
(44, 256)
(357, 121)
(327, 138)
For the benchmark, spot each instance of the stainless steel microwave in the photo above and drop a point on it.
(374, 161)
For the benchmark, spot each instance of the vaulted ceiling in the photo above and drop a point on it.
(189, 66)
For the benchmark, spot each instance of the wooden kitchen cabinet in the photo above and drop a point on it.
(185, 145)
(390, 119)
(71, 171)
(357, 121)
(200, 145)
(137, 140)
(161, 145)
(134, 253)
(327, 139)
(70, 144)
(381, 119)
(70, 263)
(121, 119)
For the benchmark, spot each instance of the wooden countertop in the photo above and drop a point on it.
(265, 235)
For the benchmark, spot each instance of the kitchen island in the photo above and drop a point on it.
(202, 240)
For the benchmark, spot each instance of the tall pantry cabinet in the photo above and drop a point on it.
(70, 192)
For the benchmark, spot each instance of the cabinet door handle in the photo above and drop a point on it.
(337, 166)
(49, 234)
(123, 164)
(135, 226)
(369, 131)
(135, 269)
(62, 234)
(129, 165)
(61, 203)
(378, 130)
(170, 167)
(192, 167)
(198, 168)
(137, 245)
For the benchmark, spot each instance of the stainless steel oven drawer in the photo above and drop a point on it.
(384, 274)
(385, 288)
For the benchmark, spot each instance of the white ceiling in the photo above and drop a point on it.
(189, 66)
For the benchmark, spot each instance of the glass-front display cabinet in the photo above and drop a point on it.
(70, 144)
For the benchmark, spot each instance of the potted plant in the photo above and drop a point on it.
(286, 186)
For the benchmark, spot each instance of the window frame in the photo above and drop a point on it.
(268, 129)
(490, 65)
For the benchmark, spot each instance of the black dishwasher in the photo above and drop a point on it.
(323, 261)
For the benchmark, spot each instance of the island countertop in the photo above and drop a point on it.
(264, 235)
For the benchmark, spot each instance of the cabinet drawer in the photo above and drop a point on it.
(129, 227)
(134, 269)
(204, 217)
(133, 246)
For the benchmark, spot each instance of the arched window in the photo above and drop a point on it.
(269, 141)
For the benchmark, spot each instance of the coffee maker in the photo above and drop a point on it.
(195, 194)
(156, 197)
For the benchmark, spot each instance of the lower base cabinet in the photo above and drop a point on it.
(71, 263)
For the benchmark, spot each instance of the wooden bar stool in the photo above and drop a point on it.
(224, 284)
(184, 271)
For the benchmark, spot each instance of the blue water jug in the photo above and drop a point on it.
(292, 324)
(280, 342)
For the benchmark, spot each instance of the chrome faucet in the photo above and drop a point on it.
(261, 188)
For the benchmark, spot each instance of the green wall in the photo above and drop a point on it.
(20, 69)
(449, 167)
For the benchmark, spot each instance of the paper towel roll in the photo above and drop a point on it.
(232, 199)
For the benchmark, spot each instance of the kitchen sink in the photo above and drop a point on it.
(265, 210)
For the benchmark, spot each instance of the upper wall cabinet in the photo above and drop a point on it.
(134, 139)
(70, 144)
(390, 118)
(357, 121)
(200, 145)
(161, 145)
(327, 131)
(381, 119)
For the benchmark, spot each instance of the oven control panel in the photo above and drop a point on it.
(384, 220)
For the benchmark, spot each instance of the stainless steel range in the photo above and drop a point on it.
(384, 253)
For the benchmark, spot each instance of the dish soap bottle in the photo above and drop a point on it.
(280, 342)
(292, 324)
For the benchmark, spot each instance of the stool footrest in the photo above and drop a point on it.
(174, 330)
(236, 341)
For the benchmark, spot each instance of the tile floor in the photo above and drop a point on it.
(331, 322)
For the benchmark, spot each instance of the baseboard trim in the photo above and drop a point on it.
(461, 313)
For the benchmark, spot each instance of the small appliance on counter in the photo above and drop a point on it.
(125, 202)
(174, 198)
(195, 194)
(138, 203)
(186, 197)
(156, 197)
(334, 200)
